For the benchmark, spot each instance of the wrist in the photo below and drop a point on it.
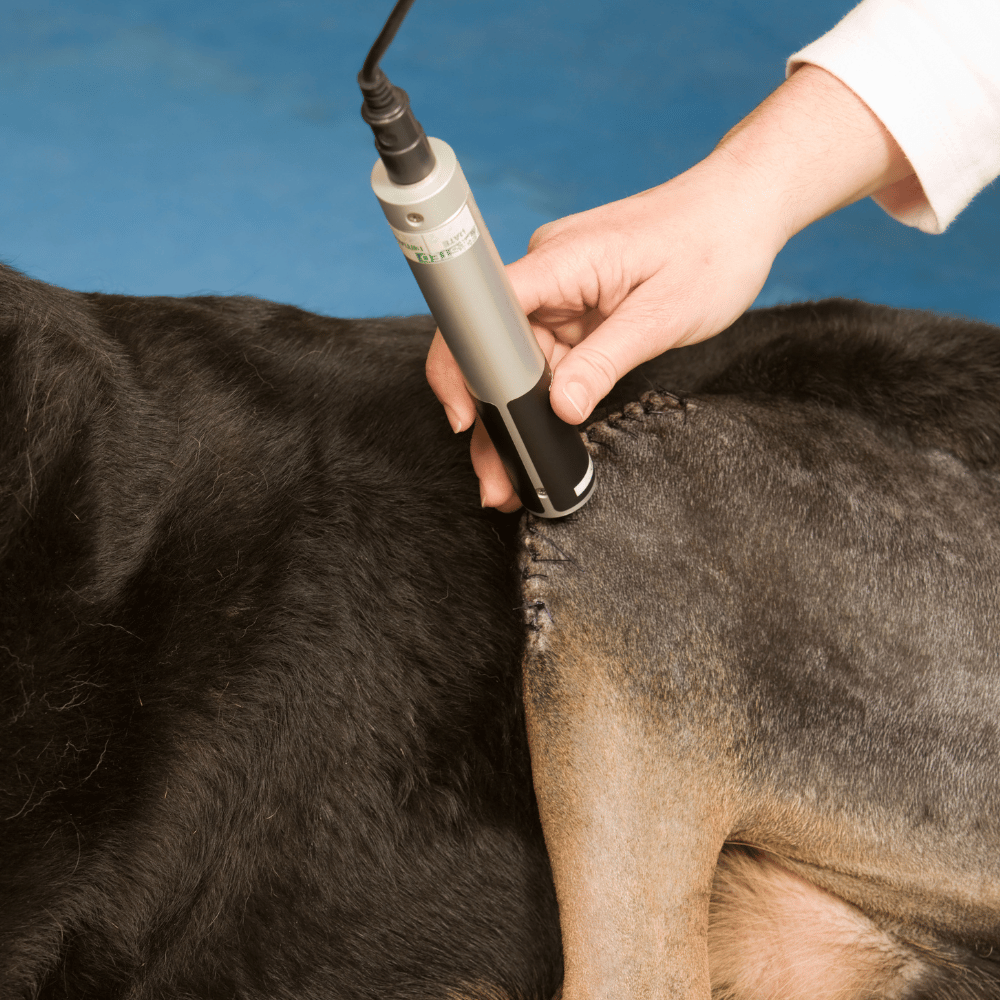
(811, 148)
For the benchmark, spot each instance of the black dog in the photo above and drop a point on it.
(260, 647)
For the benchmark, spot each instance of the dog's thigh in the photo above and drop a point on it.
(770, 625)
(635, 791)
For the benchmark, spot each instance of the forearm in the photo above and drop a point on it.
(812, 147)
(929, 70)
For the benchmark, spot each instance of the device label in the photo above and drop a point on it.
(452, 239)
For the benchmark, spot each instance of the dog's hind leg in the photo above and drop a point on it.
(773, 626)
(633, 851)
(634, 791)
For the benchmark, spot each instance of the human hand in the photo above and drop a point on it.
(612, 287)
(617, 285)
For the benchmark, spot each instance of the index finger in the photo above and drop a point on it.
(447, 383)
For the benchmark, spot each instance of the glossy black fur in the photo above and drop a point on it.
(261, 731)
(260, 648)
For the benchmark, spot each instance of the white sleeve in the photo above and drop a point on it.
(930, 71)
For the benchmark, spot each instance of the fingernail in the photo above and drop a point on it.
(577, 396)
(453, 418)
(482, 497)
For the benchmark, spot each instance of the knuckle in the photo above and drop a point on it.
(599, 363)
(537, 238)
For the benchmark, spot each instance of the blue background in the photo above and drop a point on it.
(159, 147)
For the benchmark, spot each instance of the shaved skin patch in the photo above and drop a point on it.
(774, 935)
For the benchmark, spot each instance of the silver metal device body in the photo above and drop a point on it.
(452, 256)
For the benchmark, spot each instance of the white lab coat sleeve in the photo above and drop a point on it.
(930, 71)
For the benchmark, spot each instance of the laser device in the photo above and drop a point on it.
(431, 211)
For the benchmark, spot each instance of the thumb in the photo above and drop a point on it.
(589, 371)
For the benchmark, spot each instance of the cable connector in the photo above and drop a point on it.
(399, 137)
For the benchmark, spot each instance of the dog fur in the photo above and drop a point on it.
(260, 657)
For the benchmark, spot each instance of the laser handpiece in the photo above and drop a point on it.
(430, 209)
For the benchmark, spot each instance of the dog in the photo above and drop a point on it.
(261, 658)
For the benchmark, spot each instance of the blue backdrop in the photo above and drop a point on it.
(167, 146)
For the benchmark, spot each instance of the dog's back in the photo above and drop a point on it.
(261, 726)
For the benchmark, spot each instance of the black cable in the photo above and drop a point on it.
(387, 34)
